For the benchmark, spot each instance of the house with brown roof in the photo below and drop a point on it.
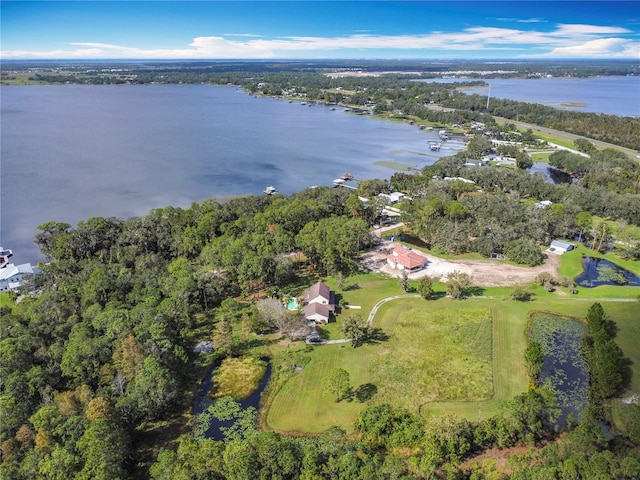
(319, 302)
(405, 259)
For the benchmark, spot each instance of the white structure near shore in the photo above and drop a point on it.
(12, 277)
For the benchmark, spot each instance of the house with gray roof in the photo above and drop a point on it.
(12, 277)
(319, 302)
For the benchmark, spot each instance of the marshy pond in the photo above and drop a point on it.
(216, 428)
(598, 271)
(564, 370)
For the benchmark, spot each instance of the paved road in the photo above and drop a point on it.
(570, 137)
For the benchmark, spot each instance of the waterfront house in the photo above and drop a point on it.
(12, 277)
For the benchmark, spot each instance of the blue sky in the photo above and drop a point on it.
(325, 29)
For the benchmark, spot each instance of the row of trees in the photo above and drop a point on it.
(392, 443)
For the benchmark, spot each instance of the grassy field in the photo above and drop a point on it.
(6, 300)
(540, 156)
(556, 140)
(427, 347)
(237, 377)
(462, 357)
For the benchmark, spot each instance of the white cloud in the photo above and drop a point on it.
(602, 47)
(522, 20)
(578, 29)
(564, 40)
(240, 35)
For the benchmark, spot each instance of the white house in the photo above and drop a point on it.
(319, 303)
(391, 198)
(544, 204)
(559, 247)
(12, 276)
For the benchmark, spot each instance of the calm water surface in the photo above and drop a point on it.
(617, 95)
(73, 152)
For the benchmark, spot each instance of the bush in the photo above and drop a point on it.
(521, 293)
(525, 252)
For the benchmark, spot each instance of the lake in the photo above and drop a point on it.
(74, 152)
(617, 95)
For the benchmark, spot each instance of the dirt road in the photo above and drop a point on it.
(483, 273)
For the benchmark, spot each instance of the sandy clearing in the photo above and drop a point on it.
(483, 273)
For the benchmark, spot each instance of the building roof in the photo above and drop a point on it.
(319, 289)
(407, 258)
(562, 244)
(316, 309)
(12, 270)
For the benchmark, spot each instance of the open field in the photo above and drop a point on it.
(412, 367)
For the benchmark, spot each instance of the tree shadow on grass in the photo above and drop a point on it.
(627, 374)
(474, 292)
(365, 392)
(376, 335)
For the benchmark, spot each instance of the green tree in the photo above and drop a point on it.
(523, 161)
(103, 448)
(356, 328)
(524, 251)
(194, 459)
(535, 413)
(337, 383)
(425, 287)
(223, 337)
(584, 145)
(155, 389)
(404, 281)
(457, 284)
(534, 359)
(478, 145)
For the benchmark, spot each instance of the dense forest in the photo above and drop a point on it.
(105, 348)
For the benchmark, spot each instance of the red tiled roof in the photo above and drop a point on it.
(407, 258)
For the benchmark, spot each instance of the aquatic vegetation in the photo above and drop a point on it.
(564, 370)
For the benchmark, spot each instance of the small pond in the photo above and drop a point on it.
(564, 371)
(598, 271)
(203, 400)
(552, 175)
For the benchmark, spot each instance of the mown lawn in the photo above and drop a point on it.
(463, 357)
